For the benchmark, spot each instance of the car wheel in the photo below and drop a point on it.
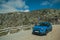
(33, 32)
(46, 33)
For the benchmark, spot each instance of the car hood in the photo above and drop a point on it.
(40, 27)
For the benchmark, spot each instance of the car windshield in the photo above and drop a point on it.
(43, 24)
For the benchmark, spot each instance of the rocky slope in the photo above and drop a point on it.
(14, 19)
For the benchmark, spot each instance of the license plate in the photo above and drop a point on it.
(36, 31)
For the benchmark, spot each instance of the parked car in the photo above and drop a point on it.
(42, 28)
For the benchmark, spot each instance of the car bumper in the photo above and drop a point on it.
(38, 32)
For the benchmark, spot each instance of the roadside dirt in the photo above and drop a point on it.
(27, 35)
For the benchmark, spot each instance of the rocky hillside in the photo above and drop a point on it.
(20, 18)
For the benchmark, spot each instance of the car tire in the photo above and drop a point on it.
(46, 33)
(33, 33)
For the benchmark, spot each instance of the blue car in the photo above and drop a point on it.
(42, 28)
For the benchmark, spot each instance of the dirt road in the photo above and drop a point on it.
(27, 35)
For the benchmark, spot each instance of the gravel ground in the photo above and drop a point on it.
(27, 35)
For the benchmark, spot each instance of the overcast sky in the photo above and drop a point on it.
(27, 5)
